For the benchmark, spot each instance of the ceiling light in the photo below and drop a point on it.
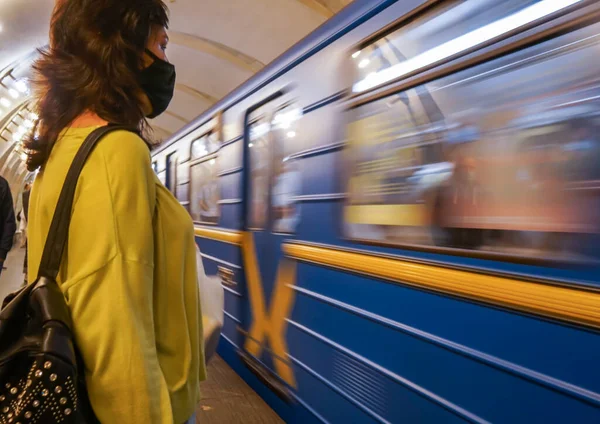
(21, 86)
(4, 102)
(464, 42)
(13, 93)
(34, 116)
(356, 54)
(291, 134)
(364, 63)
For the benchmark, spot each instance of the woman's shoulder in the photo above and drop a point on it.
(124, 152)
(124, 144)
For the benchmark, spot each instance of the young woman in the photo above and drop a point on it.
(129, 270)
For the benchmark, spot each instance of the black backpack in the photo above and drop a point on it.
(41, 373)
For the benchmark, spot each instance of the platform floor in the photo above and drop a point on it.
(12, 277)
(226, 398)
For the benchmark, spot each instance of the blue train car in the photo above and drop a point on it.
(404, 212)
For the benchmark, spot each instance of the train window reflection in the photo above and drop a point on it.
(503, 157)
(162, 177)
(205, 145)
(450, 30)
(205, 195)
(286, 174)
(172, 166)
(260, 169)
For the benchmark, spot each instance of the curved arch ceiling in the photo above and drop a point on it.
(215, 45)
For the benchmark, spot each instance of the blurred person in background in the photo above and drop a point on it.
(24, 220)
(456, 195)
(131, 281)
(8, 224)
(22, 224)
(23, 214)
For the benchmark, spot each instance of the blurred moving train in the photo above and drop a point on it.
(404, 210)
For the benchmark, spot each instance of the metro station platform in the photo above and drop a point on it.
(226, 398)
(12, 275)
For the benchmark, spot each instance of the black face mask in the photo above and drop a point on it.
(158, 82)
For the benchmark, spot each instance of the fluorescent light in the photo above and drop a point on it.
(213, 161)
(21, 86)
(364, 63)
(251, 145)
(34, 116)
(4, 102)
(464, 42)
(291, 134)
(28, 124)
(13, 93)
(356, 54)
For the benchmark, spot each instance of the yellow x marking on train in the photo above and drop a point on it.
(269, 324)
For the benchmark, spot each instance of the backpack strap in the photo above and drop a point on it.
(59, 229)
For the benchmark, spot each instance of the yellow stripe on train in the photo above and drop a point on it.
(569, 304)
(396, 215)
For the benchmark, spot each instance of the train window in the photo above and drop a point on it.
(205, 145)
(155, 167)
(503, 157)
(450, 30)
(204, 205)
(286, 174)
(172, 165)
(162, 177)
(260, 170)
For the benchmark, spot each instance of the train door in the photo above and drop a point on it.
(267, 274)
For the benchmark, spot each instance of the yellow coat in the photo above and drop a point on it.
(129, 277)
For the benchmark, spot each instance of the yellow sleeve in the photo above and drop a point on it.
(112, 308)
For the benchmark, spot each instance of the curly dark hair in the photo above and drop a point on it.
(92, 64)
